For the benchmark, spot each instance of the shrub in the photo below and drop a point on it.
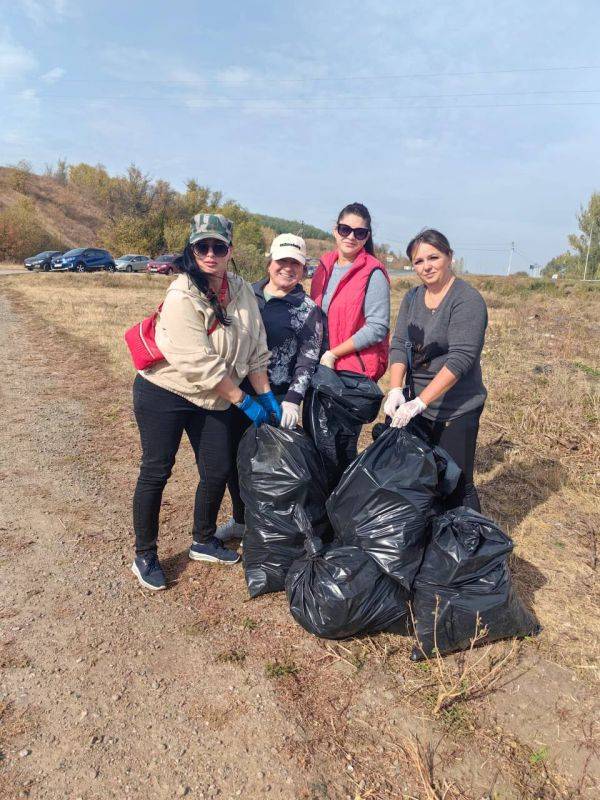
(250, 262)
(134, 234)
(22, 232)
(176, 235)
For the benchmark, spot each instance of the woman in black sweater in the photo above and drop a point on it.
(441, 324)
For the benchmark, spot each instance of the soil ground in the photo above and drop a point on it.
(108, 691)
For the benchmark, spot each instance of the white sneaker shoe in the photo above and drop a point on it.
(230, 530)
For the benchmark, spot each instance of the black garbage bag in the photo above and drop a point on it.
(335, 405)
(278, 470)
(464, 585)
(338, 591)
(384, 500)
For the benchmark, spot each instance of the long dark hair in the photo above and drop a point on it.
(363, 212)
(187, 263)
(431, 237)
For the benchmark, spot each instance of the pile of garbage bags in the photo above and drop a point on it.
(373, 551)
(334, 406)
(279, 471)
(384, 501)
(464, 589)
(337, 591)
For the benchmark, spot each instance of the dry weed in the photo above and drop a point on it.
(468, 676)
(421, 758)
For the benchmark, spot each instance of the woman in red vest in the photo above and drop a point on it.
(353, 290)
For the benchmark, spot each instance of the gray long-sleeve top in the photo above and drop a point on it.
(376, 306)
(451, 335)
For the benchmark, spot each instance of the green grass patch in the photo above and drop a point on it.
(277, 669)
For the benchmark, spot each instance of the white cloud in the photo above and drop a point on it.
(234, 75)
(43, 12)
(53, 75)
(15, 61)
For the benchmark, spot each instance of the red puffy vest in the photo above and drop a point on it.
(346, 312)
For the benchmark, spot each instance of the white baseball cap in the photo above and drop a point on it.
(286, 245)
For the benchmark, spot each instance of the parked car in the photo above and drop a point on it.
(311, 266)
(84, 259)
(132, 263)
(42, 261)
(163, 264)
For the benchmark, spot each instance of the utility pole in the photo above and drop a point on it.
(587, 258)
(510, 255)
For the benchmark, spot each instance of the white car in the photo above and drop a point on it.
(132, 263)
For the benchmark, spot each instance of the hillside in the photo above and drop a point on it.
(281, 225)
(70, 217)
(39, 212)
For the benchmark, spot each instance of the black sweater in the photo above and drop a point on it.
(294, 326)
(452, 335)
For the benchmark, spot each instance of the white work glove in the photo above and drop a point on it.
(290, 413)
(407, 411)
(328, 359)
(393, 401)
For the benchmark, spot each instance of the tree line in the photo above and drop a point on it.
(584, 246)
(142, 215)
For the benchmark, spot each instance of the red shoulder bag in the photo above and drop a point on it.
(141, 337)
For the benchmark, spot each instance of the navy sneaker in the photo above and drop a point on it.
(213, 552)
(148, 571)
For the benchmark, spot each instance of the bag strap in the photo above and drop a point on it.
(408, 346)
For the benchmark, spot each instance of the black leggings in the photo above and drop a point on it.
(162, 417)
(458, 437)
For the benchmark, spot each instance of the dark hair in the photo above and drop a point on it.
(187, 263)
(363, 212)
(432, 237)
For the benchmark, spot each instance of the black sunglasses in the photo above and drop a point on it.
(360, 234)
(219, 249)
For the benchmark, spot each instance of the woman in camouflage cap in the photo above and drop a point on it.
(210, 331)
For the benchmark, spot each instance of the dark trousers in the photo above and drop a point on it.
(346, 450)
(162, 417)
(239, 424)
(458, 437)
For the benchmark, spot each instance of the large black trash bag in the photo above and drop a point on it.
(334, 405)
(338, 591)
(278, 470)
(464, 574)
(384, 501)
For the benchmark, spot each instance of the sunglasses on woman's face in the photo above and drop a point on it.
(204, 246)
(360, 234)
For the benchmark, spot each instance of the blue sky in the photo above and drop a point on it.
(477, 118)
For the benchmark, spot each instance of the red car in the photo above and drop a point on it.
(163, 264)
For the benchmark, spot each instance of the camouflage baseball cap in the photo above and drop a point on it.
(211, 226)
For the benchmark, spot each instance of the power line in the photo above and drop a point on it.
(250, 78)
(281, 107)
(338, 97)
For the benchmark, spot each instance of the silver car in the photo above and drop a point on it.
(132, 263)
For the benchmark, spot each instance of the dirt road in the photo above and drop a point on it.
(109, 692)
(103, 694)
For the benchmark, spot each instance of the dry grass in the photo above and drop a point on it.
(471, 675)
(11, 266)
(538, 467)
(538, 475)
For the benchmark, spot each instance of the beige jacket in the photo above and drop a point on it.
(196, 360)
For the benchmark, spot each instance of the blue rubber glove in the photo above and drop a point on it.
(253, 410)
(269, 402)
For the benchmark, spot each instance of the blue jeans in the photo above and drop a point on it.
(162, 417)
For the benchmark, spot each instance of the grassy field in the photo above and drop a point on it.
(538, 470)
(538, 474)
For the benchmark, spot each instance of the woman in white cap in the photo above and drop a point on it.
(294, 326)
(212, 337)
